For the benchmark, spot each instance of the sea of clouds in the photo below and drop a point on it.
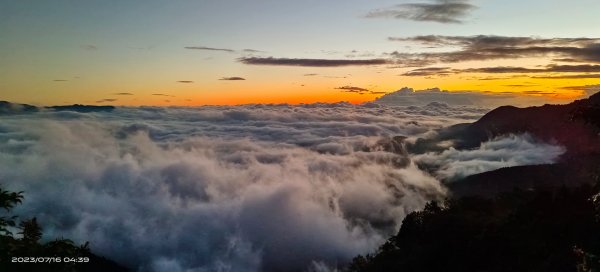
(241, 188)
(505, 151)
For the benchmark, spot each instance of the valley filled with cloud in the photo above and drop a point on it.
(261, 187)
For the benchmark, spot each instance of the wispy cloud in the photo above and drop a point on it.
(430, 71)
(352, 89)
(122, 94)
(232, 78)
(89, 47)
(588, 89)
(489, 41)
(521, 85)
(311, 62)
(482, 47)
(539, 92)
(502, 70)
(106, 100)
(252, 51)
(578, 76)
(210, 48)
(584, 68)
(60, 80)
(185, 81)
(440, 11)
(358, 90)
(160, 94)
(228, 50)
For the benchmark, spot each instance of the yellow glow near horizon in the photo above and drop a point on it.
(291, 85)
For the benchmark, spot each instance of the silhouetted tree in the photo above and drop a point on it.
(29, 246)
(7, 201)
(31, 230)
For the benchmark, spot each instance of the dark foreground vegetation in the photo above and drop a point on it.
(25, 252)
(532, 230)
(503, 220)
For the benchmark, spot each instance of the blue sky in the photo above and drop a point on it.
(115, 46)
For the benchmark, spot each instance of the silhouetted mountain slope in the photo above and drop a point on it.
(530, 218)
(13, 108)
(567, 125)
(538, 230)
(527, 177)
(575, 126)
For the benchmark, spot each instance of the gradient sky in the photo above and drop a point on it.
(187, 52)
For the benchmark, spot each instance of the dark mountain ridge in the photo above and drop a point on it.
(522, 218)
(15, 108)
(82, 108)
(576, 126)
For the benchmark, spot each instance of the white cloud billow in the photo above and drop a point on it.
(505, 151)
(246, 188)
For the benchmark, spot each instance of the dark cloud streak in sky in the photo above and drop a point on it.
(483, 47)
(430, 71)
(549, 69)
(358, 90)
(584, 68)
(579, 76)
(252, 51)
(247, 51)
(353, 89)
(311, 62)
(209, 48)
(490, 41)
(89, 47)
(106, 100)
(441, 11)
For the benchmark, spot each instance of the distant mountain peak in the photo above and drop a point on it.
(15, 108)
(82, 108)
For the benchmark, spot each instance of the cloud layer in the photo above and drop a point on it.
(248, 188)
(219, 188)
(506, 151)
